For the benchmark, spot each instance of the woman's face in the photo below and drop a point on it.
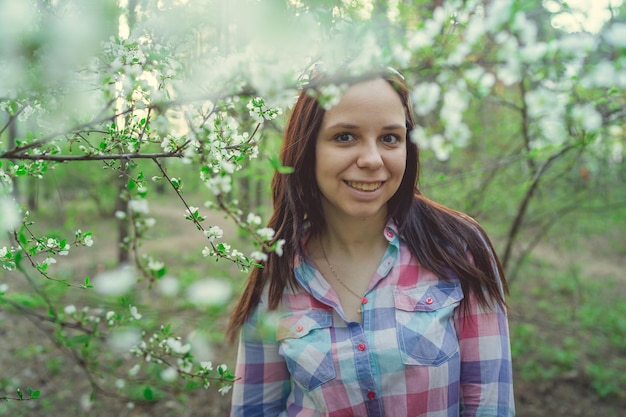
(361, 151)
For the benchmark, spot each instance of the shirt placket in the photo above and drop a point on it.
(364, 370)
(372, 397)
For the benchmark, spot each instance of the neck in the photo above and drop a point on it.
(354, 237)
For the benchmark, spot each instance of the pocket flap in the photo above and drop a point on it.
(428, 296)
(300, 324)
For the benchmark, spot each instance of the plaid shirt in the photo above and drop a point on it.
(415, 354)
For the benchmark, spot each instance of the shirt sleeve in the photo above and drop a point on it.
(261, 377)
(486, 368)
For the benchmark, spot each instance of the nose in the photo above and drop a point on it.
(369, 156)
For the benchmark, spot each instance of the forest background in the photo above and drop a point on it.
(138, 139)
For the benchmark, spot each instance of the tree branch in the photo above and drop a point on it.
(523, 207)
(68, 158)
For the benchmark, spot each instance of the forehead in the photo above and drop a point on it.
(367, 99)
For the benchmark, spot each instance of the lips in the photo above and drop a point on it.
(364, 186)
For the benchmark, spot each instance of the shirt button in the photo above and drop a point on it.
(361, 347)
(364, 300)
(371, 395)
(429, 300)
(389, 234)
(299, 328)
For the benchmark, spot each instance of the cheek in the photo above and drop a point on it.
(399, 164)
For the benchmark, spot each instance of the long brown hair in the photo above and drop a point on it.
(438, 237)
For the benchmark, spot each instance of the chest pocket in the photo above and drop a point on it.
(424, 323)
(305, 343)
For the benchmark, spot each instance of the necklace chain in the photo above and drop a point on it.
(361, 298)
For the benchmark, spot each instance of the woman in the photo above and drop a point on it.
(383, 303)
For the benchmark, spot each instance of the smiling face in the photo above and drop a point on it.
(361, 151)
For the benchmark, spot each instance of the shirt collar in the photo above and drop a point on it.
(305, 270)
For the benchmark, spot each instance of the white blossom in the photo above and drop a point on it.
(541, 102)
(330, 95)
(498, 12)
(457, 133)
(219, 184)
(266, 233)
(139, 206)
(3, 288)
(169, 374)
(425, 97)
(459, 54)
(259, 256)
(616, 35)
(177, 346)
(454, 104)
(168, 286)
(279, 247)
(603, 74)
(86, 402)
(134, 370)
(253, 219)
(155, 265)
(115, 282)
(209, 292)
(214, 232)
(49, 261)
(9, 214)
(475, 29)
(70, 309)
(419, 39)
(134, 313)
(577, 43)
(206, 365)
(441, 148)
(65, 250)
(184, 365)
(586, 116)
(123, 340)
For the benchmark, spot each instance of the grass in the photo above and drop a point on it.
(566, 325)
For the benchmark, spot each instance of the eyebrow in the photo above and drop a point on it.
(341, 125)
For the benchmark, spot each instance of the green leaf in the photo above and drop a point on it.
(279, 167)
(25, 299)
(161, 272)
(19, 394)
(88, 283)
(21, 171)
(21, 236)
(32, 393)
(82, 339)
(148, 394)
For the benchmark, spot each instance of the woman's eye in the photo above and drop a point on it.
(390, 139)
(344, 138)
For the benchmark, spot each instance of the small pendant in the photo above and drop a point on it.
(359, 310)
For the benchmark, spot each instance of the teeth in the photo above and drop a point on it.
(364, 186)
